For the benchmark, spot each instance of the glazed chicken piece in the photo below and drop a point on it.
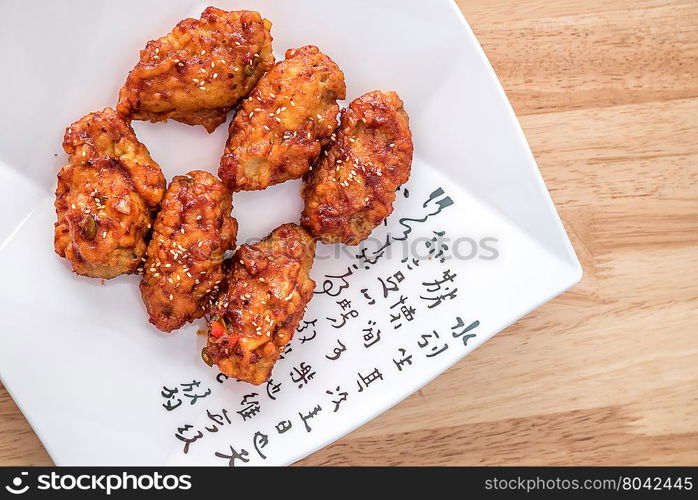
(279, 130)
(200, 70)
(106, 197)
(352, 189)
(268, 288)
(191, 234)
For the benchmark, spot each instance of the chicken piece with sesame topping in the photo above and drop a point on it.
(106, 196)
(200, 70)
(183, 272)
(352, 189)
(268, 288)
(279, 130)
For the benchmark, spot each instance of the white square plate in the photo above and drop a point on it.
(100, 386)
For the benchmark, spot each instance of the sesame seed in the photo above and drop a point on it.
(83, 153)
(391, 145)
(319, 116)
(104, 234)
(250, 115)
(72, 206)
(195, 80)
(171, 297)
(215, 75)
(157, 49)
(266, 128)
(203, 52)
(180, 64)
(198, 217)
(273, 96)
(213, 65)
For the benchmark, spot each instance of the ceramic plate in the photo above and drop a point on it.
(474, 242)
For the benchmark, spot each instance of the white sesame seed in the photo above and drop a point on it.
(203, 52)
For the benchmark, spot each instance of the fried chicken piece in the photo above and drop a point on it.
(106, 196)
(191, 234)
(279, 130)
(352, 189)
(267, 291)
(200, 70)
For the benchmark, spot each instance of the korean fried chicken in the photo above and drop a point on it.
(279, 130)
(267, 291)
(200, 70)
(106, 196)
(191, 234)
(352, 189)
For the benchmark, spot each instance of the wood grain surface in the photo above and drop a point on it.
(607, 93)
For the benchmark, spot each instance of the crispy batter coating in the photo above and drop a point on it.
(352, 189)
(267, 291)
(200, 70)
(106, 196)
(279, 130)
(191, 234)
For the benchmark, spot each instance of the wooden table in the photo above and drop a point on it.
(607, 93)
